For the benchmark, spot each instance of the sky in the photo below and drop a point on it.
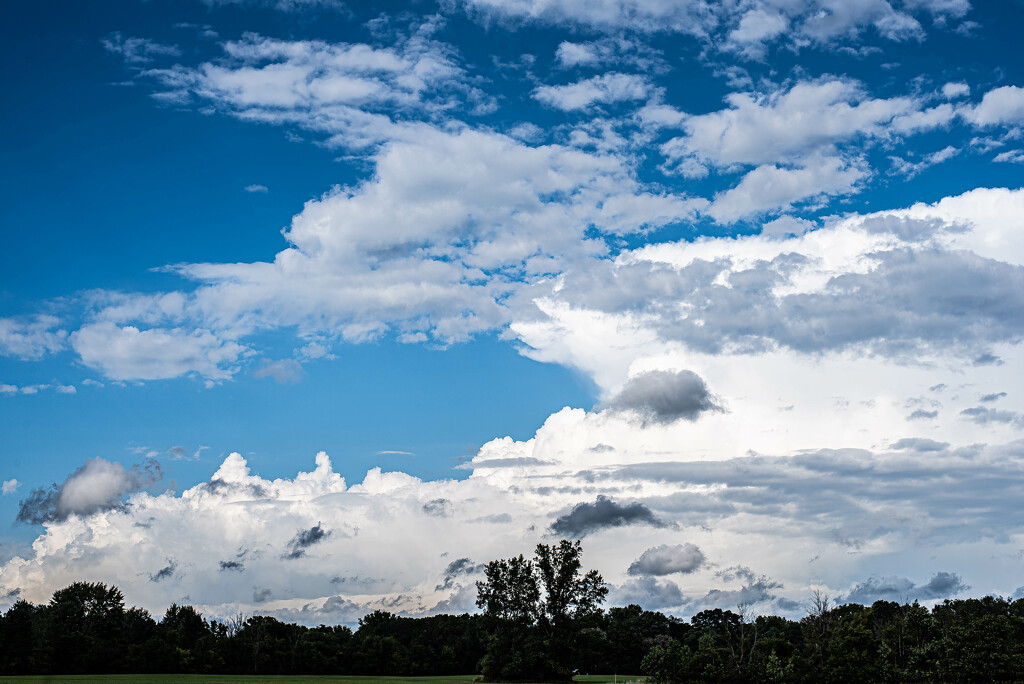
(311, 308)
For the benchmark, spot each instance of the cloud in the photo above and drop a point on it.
(920, 444)
(32, 338)
(354, 94)
(995, 396)
(953, 90)
(236, 566)
(461, 567)
(665, 396)
(255, 187)
(303, 539)
(284, 371)
(902, 589)
(650, 593)
(128, 353)
(9, 486)
(98, 485)
(1003, 105)
(587, 518)
(605, 89)
(138, 51)
(164, 573)
(665, 560)
(754, 590)
(982, 415)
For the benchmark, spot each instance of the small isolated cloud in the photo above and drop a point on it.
(9, 486)
(285, 371)
(951, 91)
(236, 566)
(665, 396)
(303, 539)
(394, 452)
(136, 51)
(98, 485)
(603, 89)
(256, 187)
(919, 444)
(992, 397)
(921, 414)
(941, 585)
(164, 573)
(586, 518)
(665, 560)
(649, 593)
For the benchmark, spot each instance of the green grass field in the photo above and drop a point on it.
(251, 679)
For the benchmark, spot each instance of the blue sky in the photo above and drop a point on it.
(540, 263)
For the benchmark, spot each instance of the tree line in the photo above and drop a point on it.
(540, 620)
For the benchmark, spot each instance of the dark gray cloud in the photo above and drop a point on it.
(901, 589)
(919, 444)
(98, 485)
(303, 539)
(232, 565)
(591, 517)
(440, 508)
(665, 396)
(665, 560)
(921, 414)
(260, 595)
(164, 573)
(650, 593)
(754, 590)
(458, 568)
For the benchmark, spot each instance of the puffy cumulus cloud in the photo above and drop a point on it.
(667, 560)
(355, 94)
(650, 593)
(665, 396)
(944, 278)
(31, 338)
(901, 589)
(604, 89)
(96, 486)
(652, 493)
(586, 518)
(431, 247)
(128, 353)
(1003, 105)
(9, 486)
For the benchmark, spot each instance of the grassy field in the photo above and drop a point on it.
(251, 679)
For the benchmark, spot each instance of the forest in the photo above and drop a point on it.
(540, 620)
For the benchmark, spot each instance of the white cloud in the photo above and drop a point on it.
(1003, 105)
(9, 486)
(911, 169)
(953, 90)
(770, 187)
(257, 188)
(356, 94)
(788, 124)
(137, 51)
(430, 247)
(127, 353)
(605, 89)
(33, 338)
